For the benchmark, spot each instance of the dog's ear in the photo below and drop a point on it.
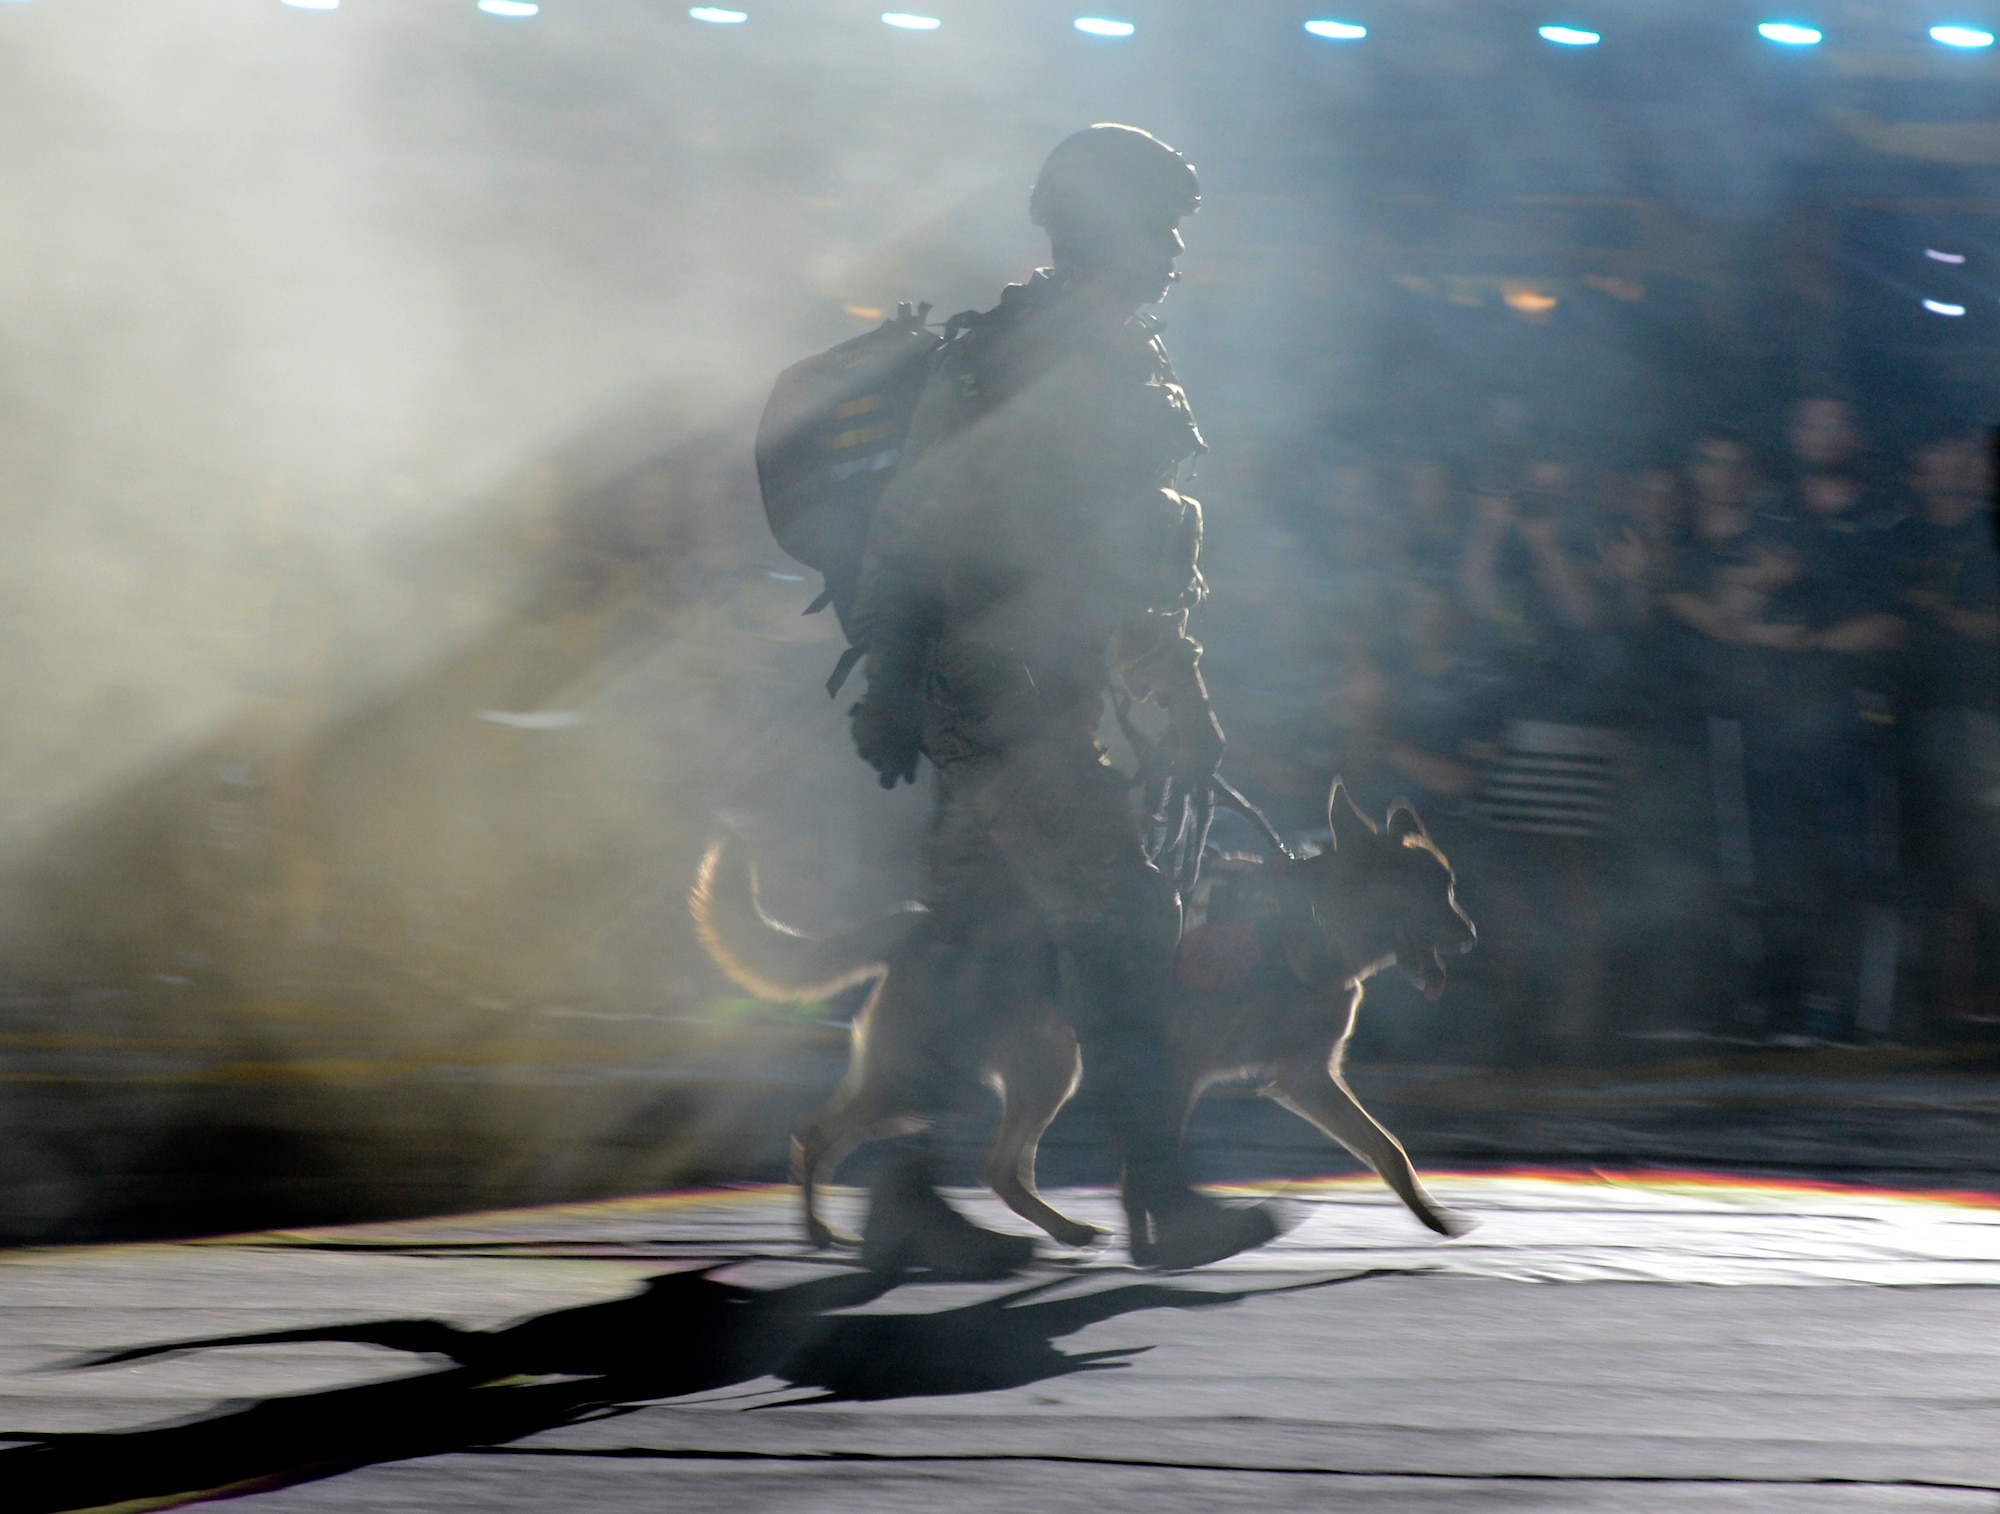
(1404, 822)
(1349, 826)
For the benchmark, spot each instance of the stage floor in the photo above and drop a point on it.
(1598, 1341)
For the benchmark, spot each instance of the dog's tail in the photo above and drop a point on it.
(774, 961)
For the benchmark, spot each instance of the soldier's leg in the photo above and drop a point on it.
(947, 979)
(1059, 818)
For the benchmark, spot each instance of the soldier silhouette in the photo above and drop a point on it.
(1032, 541)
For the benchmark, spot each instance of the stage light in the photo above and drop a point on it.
(313, 5)
(1337, 31)
(910, 23)
(716, 17)
(1961, 36)
(1098, 26)
(1943, 257)
(512, 8)
(1789, 33)
(1939, 307)
(1568, 36)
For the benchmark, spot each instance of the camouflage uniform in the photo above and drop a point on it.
(1033, 537)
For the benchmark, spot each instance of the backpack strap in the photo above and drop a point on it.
(842, 669)
(965, 320)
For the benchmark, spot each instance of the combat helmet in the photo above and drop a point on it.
(1114, 171)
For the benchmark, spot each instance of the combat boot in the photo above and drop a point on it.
(911, 1228)
(1171, 1227)
(1119, 998)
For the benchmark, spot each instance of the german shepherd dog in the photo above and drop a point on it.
(1268, 984)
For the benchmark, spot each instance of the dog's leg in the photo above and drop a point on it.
(830, 1133)
(1039, 1075)
(830, 1138)
(865, 1108)
(1317, 1095)
(825, 1140)
(812, 1144)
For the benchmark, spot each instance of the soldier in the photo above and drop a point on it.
(1033, 536)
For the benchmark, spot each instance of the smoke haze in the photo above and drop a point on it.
(387, 612)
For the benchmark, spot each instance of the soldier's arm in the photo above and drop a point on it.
(1156, 656)
(1160, 661)
(898, 586)
(897, 601)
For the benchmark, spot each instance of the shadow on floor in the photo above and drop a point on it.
(685, 1332)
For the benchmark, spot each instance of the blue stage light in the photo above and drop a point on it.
(1962, 36)
(1099, 26)
(1790, 33)
(515, 9)
(1337, 31)
(910, 23)
(1939, 307)
(1569, 36)
(715, 16)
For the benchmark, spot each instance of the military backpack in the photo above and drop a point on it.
(829, 441)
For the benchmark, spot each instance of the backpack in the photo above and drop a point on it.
(827, 445)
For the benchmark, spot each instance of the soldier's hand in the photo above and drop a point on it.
(889, 736)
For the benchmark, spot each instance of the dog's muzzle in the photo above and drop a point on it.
(1424, 962)
(1425, 965)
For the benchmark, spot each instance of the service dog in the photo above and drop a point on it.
(1268, 984)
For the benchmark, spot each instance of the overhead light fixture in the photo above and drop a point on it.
(1939, 307)
(313, 5)
(1099, 26)
(1569, 36)
(1962, 36)
(514, 9)
(1337, 31)
(1943, 257)
(1790, 34)
(715, 16)
(910, 23)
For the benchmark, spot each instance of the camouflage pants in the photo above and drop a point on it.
(1048, 824)
(1036, 844)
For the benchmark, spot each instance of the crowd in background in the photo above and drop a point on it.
(1714, 742)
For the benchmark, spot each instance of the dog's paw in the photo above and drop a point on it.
(827, 1237)
(1449, 1223)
